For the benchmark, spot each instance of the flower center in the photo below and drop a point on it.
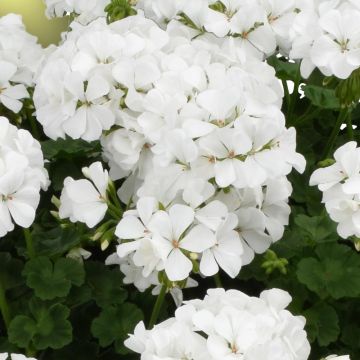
(175, 244)
(231, 154)
(4, 198)
(212, 159)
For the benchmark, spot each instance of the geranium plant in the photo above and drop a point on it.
(181, 180)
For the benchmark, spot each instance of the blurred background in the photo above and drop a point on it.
(33, 13)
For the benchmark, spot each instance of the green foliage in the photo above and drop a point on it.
(114, 324)
(335, 272)
(53, 279)
(322, 97)
(322, 324)
(106, 285)
(119, 9)
(10, 271)
(47, 326)
(68, 148)
(284, 69)
(317, 229)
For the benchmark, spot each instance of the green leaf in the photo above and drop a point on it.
(68, 148)
(321, 97)
(322, 324)
(319, 229)
(56, 241)
(21, 330)
(53, 328)
(284, 69)
(114, 324)
(335, 272)
(53, 280)
(47, 327)
(10, 271)
(106, 284)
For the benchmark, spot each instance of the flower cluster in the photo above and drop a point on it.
(6, 356)
(20, 58)
(340, 185)
(84, 10)
(325, 35)
(321, 33)
(194, 136)
(203, 139)
(250, 28)
(226, 325)
(22, 175)
(77, 92)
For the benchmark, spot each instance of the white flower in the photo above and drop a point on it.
(226, 325)
(22, 175)
(171, 238)
(10, 95)
(223, 149)
(339, 184)
(337, 51)
(84, 200)
(227, 251)
(20, 59)
(20, 49)
(136, 226)
(6, 356)
(345, 170)
(336, 357)
(86, 10)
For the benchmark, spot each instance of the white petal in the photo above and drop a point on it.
(82, 191)
(224, 173)
(130, 227)
(97, 87)
(208, 265)
(22, 213)
(177, 266)
(182, 217)
(199, 239)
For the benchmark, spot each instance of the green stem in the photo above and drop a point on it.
(157, 307)
(29, 244)
(4, 307)
(114, 211)
(34, 129)
(113, 195)
(294, 95)
(286, 91)
(334, 133)
(349, 126)
(218, 281)
(306, 117)
(31, 351)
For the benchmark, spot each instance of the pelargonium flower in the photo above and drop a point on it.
(248, 28)
(134, 274)
(85, 10)
(22, 176)
(80, 87)
(165, 238)
(20, 59)
(227, 325)
(6, 356)
(340, 185)
(85, 200)
(324, 35)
